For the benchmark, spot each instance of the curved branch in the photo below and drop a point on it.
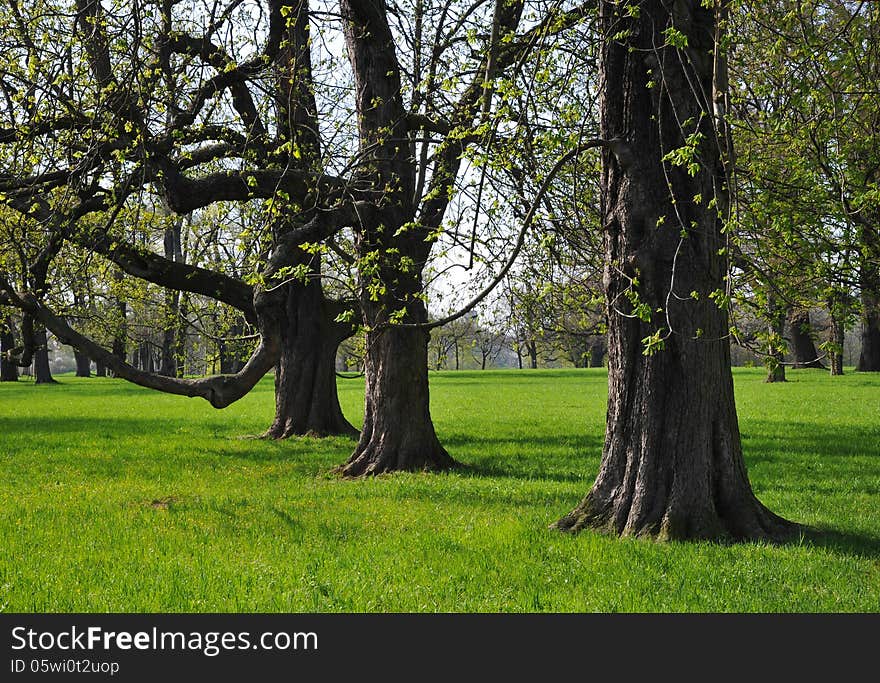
(520, 241)
(146, 265)
(219, 390)
(185, 195)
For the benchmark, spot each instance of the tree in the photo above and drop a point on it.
(107, 124)
(811, 80)
(8, 368)
(191, 116)
(672, 465)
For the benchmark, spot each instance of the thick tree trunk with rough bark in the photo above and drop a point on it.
(398, 434)
(42, 372)
(100, 369)
(306, 401)
(392, 243)
(8, 367)
(672, 465)
(802, 346)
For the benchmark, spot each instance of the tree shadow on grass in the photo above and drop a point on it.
(847, 543)
(761, 437)
(560, 458)
(123, 426)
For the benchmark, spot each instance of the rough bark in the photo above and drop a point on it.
(672, 465)
(306, 401)
(398, 433)
(8, 367)
(804, 352)
(100, 369)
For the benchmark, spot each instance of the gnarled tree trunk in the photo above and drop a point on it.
(393, 246)
(672, 465)
(398, 433)
(306, 401)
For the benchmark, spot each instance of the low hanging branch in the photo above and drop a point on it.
(219, 390)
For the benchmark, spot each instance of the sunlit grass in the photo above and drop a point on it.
(115, 498)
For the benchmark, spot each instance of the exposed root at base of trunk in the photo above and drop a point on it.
(287, 430)
(371, 461)
(750, 521)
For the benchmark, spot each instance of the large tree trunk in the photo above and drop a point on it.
(83, 364)
(802, 346)
(100, 369)
(306, 401)
(393, 245)
(42, 373)
(8, 367)
(672, 465)
(398, 433)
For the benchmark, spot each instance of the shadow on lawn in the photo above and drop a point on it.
(843, 542)
(561, 458)
(762, 437)
(90, 425)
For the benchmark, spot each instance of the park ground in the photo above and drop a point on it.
(115, 498)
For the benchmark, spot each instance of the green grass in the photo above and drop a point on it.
(115, 498)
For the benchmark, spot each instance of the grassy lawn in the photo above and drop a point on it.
(116, 498)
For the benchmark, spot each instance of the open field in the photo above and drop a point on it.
(115, 498)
